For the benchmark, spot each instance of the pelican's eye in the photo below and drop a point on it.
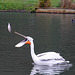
(25, 39)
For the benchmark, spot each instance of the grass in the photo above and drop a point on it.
(18, 4)
(73, 1)
(28, 5)
(55, 3)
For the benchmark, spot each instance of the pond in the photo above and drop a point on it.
(51, 32)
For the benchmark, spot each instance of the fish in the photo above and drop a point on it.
(9, 27)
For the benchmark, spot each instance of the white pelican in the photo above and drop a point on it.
(47, 58)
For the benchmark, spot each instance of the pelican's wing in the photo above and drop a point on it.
(50, 56)
(20, 44)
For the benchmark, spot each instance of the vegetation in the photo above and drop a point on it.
(28, 5)
(55, 3)
(45, 3)
(18, 4)
(67, 4)
(73, 1)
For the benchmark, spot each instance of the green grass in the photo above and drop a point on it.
(28, 5)
(73, 1)
(18, 4)
(55, 3)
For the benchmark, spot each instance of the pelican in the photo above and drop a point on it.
(47, 58)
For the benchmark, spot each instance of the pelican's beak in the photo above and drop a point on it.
(28, 42)
(20, 44)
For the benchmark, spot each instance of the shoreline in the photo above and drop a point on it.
(57, 10)
(14, 11)
(40, 10)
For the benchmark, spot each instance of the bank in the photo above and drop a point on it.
(57, 10)
(29, 6)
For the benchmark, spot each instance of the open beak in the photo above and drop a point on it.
(20, 44)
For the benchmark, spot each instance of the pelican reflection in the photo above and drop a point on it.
(50, 70)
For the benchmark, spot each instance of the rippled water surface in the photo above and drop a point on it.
(51, 32)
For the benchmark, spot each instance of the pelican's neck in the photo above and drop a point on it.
(32, 49)
(33, 55)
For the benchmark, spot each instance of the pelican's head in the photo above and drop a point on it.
(27, 40)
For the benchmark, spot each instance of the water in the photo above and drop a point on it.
(51, 32)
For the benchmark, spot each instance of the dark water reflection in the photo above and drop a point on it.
(51, 32)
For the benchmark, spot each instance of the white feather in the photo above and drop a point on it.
(50, 55)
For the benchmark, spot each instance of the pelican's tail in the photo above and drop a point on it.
(67, 61)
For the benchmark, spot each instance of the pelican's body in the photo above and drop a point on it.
(47, 58)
